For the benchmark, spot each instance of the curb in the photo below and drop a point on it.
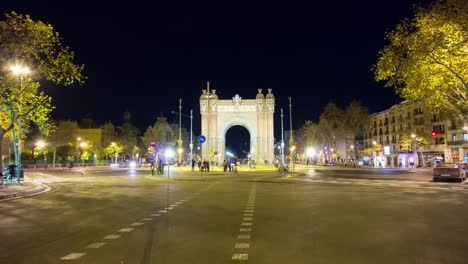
(11, 196)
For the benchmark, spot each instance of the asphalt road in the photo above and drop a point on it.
(118, 216)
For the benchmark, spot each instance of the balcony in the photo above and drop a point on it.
(458, 142)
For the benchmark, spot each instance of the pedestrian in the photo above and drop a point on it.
(193, 164)
(224, 165)
(200, 166)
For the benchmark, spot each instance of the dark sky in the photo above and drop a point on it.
(144, 55)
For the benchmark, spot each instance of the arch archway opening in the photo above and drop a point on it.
(237, 145)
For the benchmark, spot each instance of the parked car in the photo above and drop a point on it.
(449, 171)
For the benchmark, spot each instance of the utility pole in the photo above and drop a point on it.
(191, 141)
(291, 138)
(282, 139)
(208, 121)
(179, 151)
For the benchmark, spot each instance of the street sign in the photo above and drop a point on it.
(201, 139)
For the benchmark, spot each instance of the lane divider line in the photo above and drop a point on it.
(73, 256)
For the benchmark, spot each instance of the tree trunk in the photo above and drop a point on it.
(2, 135)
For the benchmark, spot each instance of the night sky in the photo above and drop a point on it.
(141, 56)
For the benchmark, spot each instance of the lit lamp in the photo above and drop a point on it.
(83, 145)
(292, 149)
(310, 153)
(374, 143)
(19, 71)
(169, 154)
(415, 153)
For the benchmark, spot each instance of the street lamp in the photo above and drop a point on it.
(292, 149)
(83, 145)
(40, 145)
(310, 153)
(415, 153)
(291, 139)
(169, 153)
(179, 151)
(282, 139)
(374, 143)
(19, 71)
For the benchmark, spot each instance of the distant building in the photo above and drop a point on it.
(387, 128)
(99, 137)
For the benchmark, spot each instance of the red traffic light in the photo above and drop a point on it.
(433, 133)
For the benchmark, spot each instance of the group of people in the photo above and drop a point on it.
(231, 165)
(202, 165)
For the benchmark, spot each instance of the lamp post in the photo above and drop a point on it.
(83, 145)
(374, 143)
(282, 139)
(310, 154)
(291, 139)
(19, 71)
(78, 140)
(40, 145)
(169, 154)
(179, 151)
(191, 141)
(415, 153)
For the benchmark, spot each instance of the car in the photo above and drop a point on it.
(449, 171)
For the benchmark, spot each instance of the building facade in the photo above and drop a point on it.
(445, 139)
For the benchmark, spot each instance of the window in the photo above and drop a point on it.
(465, 137)
(439, 129)
(440, 141)
(454, 137)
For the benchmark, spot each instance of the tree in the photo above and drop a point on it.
(161, 132)
(26, 42)
(113, 150)
(355, 118)
(331, 127)
(426, 57)
(63, 138)
(406, 143)
(128, 137)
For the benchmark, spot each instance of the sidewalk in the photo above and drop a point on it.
(15, 190)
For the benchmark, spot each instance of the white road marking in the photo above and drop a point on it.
(248, 214)
(174, 205)
(155, 214)
(95, 245)
(249, 211)
(247, 219)
(73, 256)
(112, 237)
(457, 188)
(137, 224)
(146, 219)
(240, 256)
(170, 208)
(162, 211)
(245, 229)
(243, 237)
(246, 224)
(242, 245)
(125, 230)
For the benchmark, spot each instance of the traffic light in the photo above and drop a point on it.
(434, 133)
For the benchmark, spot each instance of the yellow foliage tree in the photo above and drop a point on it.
(427, 57)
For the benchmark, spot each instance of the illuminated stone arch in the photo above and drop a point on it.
(256, 115)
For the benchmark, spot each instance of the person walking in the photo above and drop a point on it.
(193, 164)
(225, 165)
